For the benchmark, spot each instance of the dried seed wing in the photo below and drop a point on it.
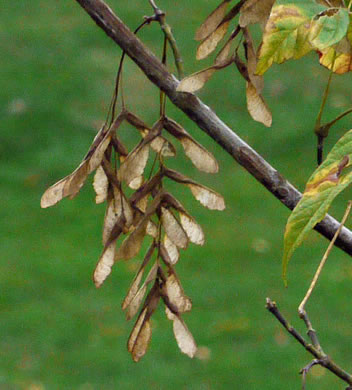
(171, 250)
(77, 180)
(257, 80)
(207, 197)
(54, 193)
(133, 166)
(224, 54)
(199, 156)
(192, 229)
(196, 81)
(142, 204)
(137, 279)
(68, 186)
(136, 182)
(132, 291)
(164, 255)
(127, 211)
(163, 146)
(152, 274)
(101, 185)
(134, 305)
(212, 21)
(173, 228)
(152, 229)
(95, 159)
(184, 338)
(209, 44)
(174, 291)
(136, 301)
(169, 314)
(117, 205)
(255, 11)
(111, 217)
(105, 263)
(142, 342)
(136, 329)
(133, 243)
(140, 337)
(257, 107)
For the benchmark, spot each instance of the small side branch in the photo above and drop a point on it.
(159, 15)
(320, 357)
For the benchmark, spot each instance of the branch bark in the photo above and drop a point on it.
(206, 119)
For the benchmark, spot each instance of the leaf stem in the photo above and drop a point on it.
(301, 308)
(318, 128)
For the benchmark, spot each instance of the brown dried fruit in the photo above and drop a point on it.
(209, 44)
(212, 21)
(256, 106)
(173, 228)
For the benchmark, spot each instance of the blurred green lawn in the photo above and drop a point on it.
(57, 331)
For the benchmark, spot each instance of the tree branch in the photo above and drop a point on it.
(322, 359)
(205, 118)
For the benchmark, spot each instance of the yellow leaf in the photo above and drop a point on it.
(286, 36)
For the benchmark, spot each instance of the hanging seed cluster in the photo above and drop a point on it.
(150, 210)
(213, 31)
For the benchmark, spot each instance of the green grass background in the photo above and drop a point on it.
(57, 331)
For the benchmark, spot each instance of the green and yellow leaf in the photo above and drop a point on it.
(338, 57)
(286, 34)
(329, 28)
(328, 180)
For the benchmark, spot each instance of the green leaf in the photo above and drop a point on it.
(329, 27)
(339, 57)
(328, 180)
(286, 34)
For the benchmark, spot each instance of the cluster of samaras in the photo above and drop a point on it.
(149, 211)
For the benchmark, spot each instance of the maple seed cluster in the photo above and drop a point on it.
(149, 211)
(213, 31)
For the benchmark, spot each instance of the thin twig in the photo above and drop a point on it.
(305, 371)
(323, 260)
(160, 17)
(323, 359)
